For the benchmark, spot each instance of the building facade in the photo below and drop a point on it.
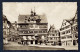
(9, 30)
(69, 32)
(53, 37)
(6, 29)
(13, 31)
(32, 28)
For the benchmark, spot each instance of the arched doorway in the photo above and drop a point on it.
(36, 41)
(31, 42)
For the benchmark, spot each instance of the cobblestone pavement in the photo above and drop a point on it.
(65, 47)
(70, 47)
(13, 44)
(16, 46)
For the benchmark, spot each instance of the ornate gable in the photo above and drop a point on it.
(65, 23)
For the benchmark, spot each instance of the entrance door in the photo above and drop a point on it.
(31, 42)
(36, 42)
(74, 42)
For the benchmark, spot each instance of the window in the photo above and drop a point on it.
(63, 37)
(68, 31)
(65, 23)
(35, 31)
(50, 38)
(23, 26)
(43, 26)
(69, 36)
(67, 27)
(53, 34)
(44, 31)
(76, 28)
(61, 29)
(63, 33)
(26, 31)
(31, 31)
(76, 35)
(40, 31)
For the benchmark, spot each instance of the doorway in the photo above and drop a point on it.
(36, 41)
(31, 42)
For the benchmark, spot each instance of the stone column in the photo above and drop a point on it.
(43, 40)
(72, 43)
(34, 42)
(29, 42)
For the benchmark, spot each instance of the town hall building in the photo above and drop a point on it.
(33, 28)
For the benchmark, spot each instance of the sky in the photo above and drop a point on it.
(55, 12)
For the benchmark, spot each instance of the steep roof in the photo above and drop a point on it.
(23, 18)
(4, 17)
(70, 21)
(52, 28)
